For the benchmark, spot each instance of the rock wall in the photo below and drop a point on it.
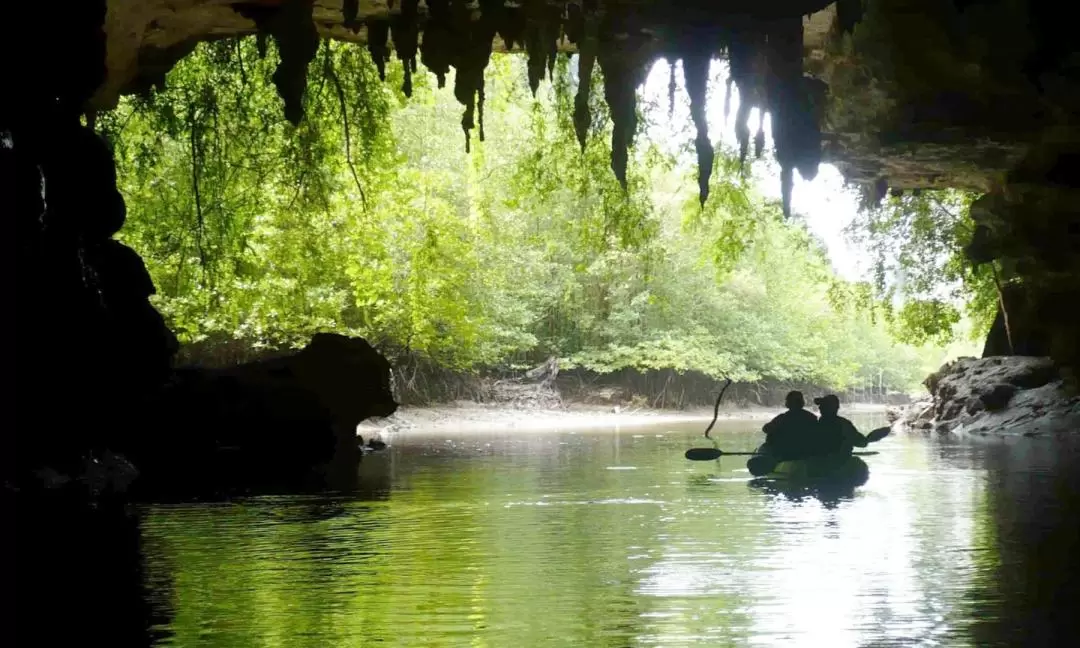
(90, 348)
(927, 94)
(1029, 229)
(971, 95)
(996, 396)
(94, 358)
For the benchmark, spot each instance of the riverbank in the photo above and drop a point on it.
(466, 416)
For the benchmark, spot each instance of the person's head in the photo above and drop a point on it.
(828, 405)
(794, 400)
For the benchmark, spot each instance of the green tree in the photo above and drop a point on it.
(920, 273)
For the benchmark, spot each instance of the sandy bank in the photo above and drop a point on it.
(463, 416)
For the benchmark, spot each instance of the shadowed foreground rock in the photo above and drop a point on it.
(282, 423)
(1007, 395)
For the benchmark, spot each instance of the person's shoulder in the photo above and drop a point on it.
(782, 416)
(808, 415)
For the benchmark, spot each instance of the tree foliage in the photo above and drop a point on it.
(920, 273)
(369, 218)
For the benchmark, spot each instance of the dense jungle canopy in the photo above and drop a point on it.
(370, 218)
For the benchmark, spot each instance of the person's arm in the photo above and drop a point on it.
(772, 425)
(853, 436)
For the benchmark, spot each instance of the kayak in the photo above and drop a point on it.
(814, 470)
(845, 470)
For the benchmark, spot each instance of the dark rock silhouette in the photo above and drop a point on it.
(1029, 229)
(80, 574)
(90, 335)
(1026, 333)
(282, 423)
(92, 349)
(373, 444)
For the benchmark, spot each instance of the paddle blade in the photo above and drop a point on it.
(703, 454)
(878, 434)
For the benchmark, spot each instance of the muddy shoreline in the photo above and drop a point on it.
(466, 416)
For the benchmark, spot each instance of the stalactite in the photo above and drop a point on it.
(759, 137)
(293, 28)
(542, 28)
(349, 10)
(696, 77)
(573, 25)
(727, 97)
(476, 39)
(512, 27)
(785, 95)
(742, 131)
(552, 32)
(623, 72)
(438, 41)
(586, 60)
(787, 183)
(671, 88)
(378, 35)
(480, 110)
(534, 43)
(744, 54)
(404, 29)
(811, 116)
(764, 52)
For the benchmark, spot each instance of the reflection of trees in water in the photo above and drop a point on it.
(539, 550)
(263, 569)
(272, 569)
(534, 538)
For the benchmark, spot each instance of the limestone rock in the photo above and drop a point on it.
(1001, 395)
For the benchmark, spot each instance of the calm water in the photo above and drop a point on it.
(612, 538)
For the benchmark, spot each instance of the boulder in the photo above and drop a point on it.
(1007, 395)
(284, 422)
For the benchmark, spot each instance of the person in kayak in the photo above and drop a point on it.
(834, 434)
(787, 436)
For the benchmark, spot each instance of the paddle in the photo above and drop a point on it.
(878, 434)
(708, 454)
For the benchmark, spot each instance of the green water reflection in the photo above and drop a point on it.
(591, 538)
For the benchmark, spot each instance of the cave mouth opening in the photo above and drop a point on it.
(79, 272)
(96, 348)
(71, 209)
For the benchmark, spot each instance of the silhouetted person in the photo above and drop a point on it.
(787, 435)
(834, 434)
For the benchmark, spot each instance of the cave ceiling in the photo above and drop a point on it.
(837, 78)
